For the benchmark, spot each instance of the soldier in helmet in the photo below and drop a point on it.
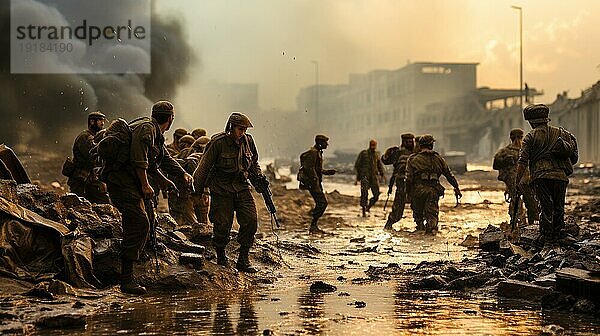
(129, 185)
(198, 132)
(310, 177)
(398, 156)
(173, 147)
(229, 162)
(368, 167)
(505, 161)
(84, 180)
(423, 171)
(550, 152)
(185, 143)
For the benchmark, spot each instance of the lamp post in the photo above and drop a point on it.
(316, 63)
(520, 53)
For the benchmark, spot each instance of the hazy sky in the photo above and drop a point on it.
(272, 42)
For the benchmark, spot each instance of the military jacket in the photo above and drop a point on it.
(368, 165)
(227, 164)
(537, 153)
(505, 162)
(397, 156)
(426, 167)
(83, 160)
(147, 152)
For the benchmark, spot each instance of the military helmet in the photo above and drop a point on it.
(407, 136)
(186, 139)
(198, 132)
(97, 115)
(516, 133)
(536, 113)
(321, 138)
(162, 107)
(426, 140)
(200, 142)
(239, 119)
(180, 132)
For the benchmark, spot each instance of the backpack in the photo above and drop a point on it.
(564, 151)
(68, 167)
(303, 180)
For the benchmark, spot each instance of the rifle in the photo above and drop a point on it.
(390, 188)
(150, 204)
(514, 212)
(266, 193)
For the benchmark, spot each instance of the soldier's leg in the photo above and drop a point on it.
(221, 215)
(76, 186)
(319, 209)
(374, 186)
(418, 207)
(559, 191)
(364, 192)
(136, 227)
(398, 205)
(201, 204)
(543, 193)
(432, 209)
(531, 204)
(247, 217)
(96, 192)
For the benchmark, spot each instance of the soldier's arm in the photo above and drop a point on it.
(523, 159)
(409, 176)
(389, 155)
(84, 145)
(205, 165)
(448, 174)
(357, 165)
(380, 167)
(575, 156)
(170, 165)
(141, 140)
(254, 168)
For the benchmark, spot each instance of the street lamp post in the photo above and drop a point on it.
(520, 54)
(316, 63)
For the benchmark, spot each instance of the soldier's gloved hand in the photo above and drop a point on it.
(356, 182)
(188, 179)
(261, 184)
(457, 192)
(147, 191)
(170, 187)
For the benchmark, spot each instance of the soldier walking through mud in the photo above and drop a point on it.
(129, 185)
(398, 158)
(368, 166)
(423, 171)
(229, 162)
(550, 153)
(310, 177)
(83, 175)
(505, 161)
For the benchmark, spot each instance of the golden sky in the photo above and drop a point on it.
(273, 42)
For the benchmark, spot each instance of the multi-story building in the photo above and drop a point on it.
(382, 104)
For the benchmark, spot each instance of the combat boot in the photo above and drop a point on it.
(314, 228)
(420, 226)
(221, 257)
(127, 284)
(243, 263)
(364, 213)
(388, 226)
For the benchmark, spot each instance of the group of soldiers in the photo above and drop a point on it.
(417, 171)
(131, 174)
(211, 178)
(535, 168)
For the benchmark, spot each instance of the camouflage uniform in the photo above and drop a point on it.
(423, 171)
(225, 168)
(549, 172)
(368, 165)
(84, 180)
(147, 152)
(397, 156)
(505, 161)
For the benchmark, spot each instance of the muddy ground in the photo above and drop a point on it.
(376, 277)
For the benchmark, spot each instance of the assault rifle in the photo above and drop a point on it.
(265, 191)
(150, 204)
(390, 188)
(514, 212)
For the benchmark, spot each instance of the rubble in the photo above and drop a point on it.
(522, 290)
(490, 239)
(322, 287)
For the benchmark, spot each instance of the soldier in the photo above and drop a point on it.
(505, 161)
(550, 152)
(398, 157)
(198, 132)
(184, 143)
(173, 147)
(129, 186)
(84, 180)
(310, 177)
(230, 160)
(423, 171)
(368, 165)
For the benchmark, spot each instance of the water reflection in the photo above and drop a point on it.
(248, 319)
(312, 313)
(222, 322)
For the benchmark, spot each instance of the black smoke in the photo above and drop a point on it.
(47, 111)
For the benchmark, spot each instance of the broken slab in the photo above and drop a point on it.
(579, 282)
(490, 239)
(194, 260)
(322, 287)
(521, 290)
(68, 320)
